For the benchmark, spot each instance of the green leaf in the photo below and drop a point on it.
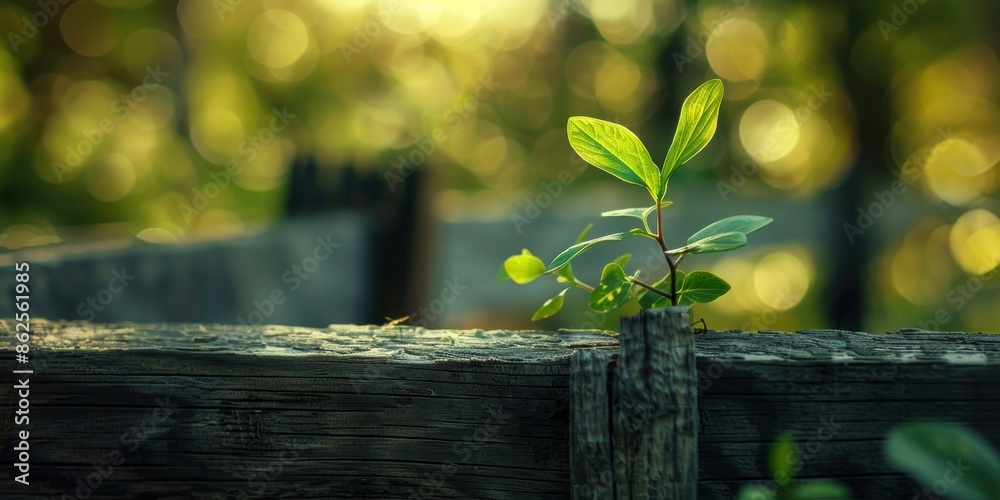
(783, 458)
(572, 252)
(929, 450)
(550, 307)
(652, 300)
(702, 286)
(715, 243)
(616, 150)
(612, 292)
(524, 268)
(755, 492)
(695, 127)
(745, 224)
(820, 489)
(565, 274)
(621, 261)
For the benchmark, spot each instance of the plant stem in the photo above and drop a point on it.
(651, 288)
(583, 285)
(670, 262)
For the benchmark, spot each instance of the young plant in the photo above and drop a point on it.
(616, 150)
(784, 462)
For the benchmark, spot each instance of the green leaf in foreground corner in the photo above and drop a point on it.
(928, 450)
(695, 127)
(745, 224)
(755, 492)
(572, 252)
(524, 268)
(614, 149)
(550, 306)
(820, 489)
(701, 287)
(783, 458)
(612, 292)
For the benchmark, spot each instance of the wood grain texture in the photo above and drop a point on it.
(370, 412)
(590, 430)
(654, 407)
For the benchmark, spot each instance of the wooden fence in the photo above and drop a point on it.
(207, 411)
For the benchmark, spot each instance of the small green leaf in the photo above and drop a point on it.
(702, 286)
(550, 307)
(928, 451)
(783, 458)
(621, 261)
(745, 224)
(695, 127)
(715, 243)
(583, 234)
(524, 268)
(572, 252)
(820, 489)
(612, 292)
(616, 150)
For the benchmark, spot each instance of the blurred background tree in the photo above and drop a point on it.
(119, 116)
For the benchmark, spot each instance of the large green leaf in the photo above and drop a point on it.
(550, 307)
(716, 243)
(933, 452)
(755, 492)
(745, 224)
(524, 268)
(701, 287)
(572, 252)
(612, 292)
(695, 127)
(616, 150)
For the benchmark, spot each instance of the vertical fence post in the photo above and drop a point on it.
(654, 407)
(589, 429)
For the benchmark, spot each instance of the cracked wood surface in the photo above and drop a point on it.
(371, 412)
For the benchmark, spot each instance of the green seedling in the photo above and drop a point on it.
(617, 151)
(784, 463)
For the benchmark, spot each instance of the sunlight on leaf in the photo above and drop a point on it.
(524, 268)
(574, 251)
(745, 224)
(716, 243)
(550, 306)
(614, 149)
(612, 292)
(695, 127)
